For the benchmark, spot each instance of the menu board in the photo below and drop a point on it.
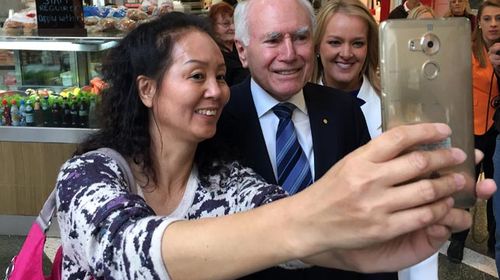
(60, 17)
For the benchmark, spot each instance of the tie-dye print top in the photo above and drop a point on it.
(108, 232)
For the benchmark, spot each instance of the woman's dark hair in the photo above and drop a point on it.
(124, 119)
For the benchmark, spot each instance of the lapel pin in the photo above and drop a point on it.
(325, 120)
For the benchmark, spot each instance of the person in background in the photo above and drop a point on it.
(208, 3)
(402, 10)
(346, 43)
(421, 12)
(493, 10)
(461, 8)
(221, 18)
(485, 90)
(346, 46)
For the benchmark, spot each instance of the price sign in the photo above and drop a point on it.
(60, 17)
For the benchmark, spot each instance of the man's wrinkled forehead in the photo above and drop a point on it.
(301, 32)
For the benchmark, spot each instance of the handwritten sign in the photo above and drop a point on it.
(60, 15)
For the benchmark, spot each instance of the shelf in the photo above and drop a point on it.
(44, 134)
(22, 40)
(7, 67)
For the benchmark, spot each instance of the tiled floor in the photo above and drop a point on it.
(476, 265)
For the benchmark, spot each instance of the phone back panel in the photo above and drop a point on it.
(426, 77)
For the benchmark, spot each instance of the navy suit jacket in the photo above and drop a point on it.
(337, 126)
(398, 12)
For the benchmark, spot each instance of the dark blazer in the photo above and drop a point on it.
(337, 126)
(398, 12)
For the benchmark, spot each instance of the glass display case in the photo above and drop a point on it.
(32, 155)
(50, 73)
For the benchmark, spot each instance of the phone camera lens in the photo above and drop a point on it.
(430, 44)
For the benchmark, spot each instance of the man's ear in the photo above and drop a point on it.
(147, 89)
(242, 52)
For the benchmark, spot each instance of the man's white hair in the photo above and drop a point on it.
(241, 16)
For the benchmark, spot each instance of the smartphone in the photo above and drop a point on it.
(425, 68)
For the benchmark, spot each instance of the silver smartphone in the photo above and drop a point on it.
(425, 68)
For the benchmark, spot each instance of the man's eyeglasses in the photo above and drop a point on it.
(225, 24)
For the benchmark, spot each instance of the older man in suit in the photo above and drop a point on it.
(276, 45)
(402, 10)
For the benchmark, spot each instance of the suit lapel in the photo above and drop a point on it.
(250, 133)
(322, 118)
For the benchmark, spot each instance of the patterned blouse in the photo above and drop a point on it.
(108, 232)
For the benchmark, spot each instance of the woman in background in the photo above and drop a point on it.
(221, 18)
(421, 12)
(461, 8)
(485, 91)
(346, 42)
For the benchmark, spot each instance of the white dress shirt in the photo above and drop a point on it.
(264, 104)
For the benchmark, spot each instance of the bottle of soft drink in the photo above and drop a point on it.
(66, 112)
(74, 112)
(83, 113)
(29, 114)
(38, 112)
(46, 111)
(22, 113)
(57, 114)
(6, 113)
(1, 115)
(14, 113)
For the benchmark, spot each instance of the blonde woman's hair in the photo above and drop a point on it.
(478, 43)
(351, 8)
(418, 11)
(467, 10)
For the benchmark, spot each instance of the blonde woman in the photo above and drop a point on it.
(346, 44)
(461, 8)
(421, 12)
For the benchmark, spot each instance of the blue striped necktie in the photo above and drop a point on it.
(294, 173)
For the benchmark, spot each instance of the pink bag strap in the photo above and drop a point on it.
(44, 219)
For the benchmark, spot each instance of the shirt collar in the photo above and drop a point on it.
(264, 101)
(406, 6)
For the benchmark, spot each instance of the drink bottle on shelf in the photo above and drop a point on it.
(29, 114)
(57, 115)
(37, 110)
(46, 111)
(66, 112)
(83, 113)
(14, 113)
(22, 112)
(6, 113)
(74, 112)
